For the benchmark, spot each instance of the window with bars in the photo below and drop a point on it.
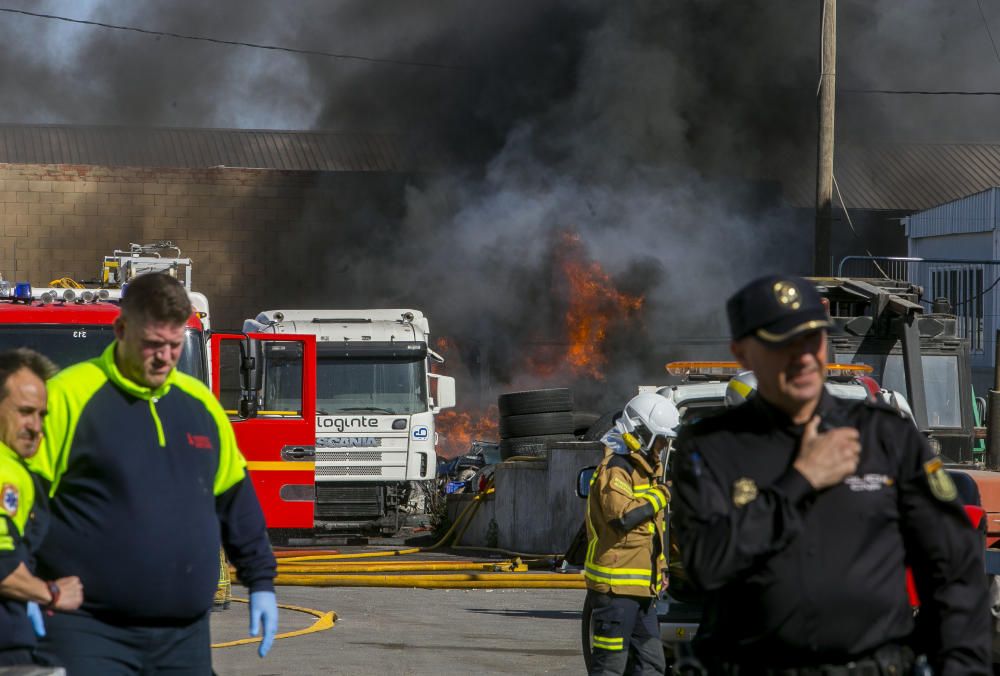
(963, 287)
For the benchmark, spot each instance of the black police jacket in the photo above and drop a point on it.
(799, 577)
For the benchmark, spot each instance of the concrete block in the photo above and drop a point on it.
(535, 505)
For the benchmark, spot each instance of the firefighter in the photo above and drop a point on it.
(625, 565)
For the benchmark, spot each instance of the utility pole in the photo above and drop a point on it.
(824, 155)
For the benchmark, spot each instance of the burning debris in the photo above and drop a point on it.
(591, 308)
(458, 429)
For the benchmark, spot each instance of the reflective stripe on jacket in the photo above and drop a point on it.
(630, 562)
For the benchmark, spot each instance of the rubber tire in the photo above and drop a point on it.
(536, 424)
(583, 421)
(601, 427)
(536, 447)
(554, 400)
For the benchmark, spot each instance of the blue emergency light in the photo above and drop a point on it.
(22, 291)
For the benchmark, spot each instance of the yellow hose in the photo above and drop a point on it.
(486, 581)
(359, 555)
(468, 511)
(414, 566)
(326, 567)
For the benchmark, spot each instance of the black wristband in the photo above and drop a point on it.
(54, 592)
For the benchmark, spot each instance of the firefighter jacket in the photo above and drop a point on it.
(625, 517)
(23, 523)
(145, 483)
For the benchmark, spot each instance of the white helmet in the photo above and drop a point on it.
(647, 416)
(741, 387)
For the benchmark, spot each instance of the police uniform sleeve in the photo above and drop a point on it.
(624, 504)
(244, 532)
(946, 556)
(722, 534)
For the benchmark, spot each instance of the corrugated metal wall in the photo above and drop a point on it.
(975, 213)
(201, 148)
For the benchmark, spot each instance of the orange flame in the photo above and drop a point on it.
(458, 429)
(594, 303)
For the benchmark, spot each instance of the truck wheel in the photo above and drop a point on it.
(530, 446)
(536, 424)
(552, 400)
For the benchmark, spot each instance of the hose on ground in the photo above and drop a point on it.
(334, 570)
(483, 581)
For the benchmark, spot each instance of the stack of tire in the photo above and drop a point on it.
(533, 420)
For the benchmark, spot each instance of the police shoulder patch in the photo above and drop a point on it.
(10, 498)
(744, 491)
(942, 487)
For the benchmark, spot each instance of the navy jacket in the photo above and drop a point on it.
(145, 484)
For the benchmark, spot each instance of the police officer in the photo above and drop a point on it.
(798, 512)
(24, 511)
(625, 565)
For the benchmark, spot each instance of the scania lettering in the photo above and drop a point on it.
(375, 400)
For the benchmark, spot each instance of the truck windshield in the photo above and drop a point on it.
(940, 382)
(352, 385)
(68, 344)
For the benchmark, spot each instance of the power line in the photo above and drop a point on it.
(236, 43)
(989, 33)
(921, 92)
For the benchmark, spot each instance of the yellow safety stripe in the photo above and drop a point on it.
(620, 571)
(640, 487)
(655, 498)
(280, 465)
(619, 581)
(607, 643)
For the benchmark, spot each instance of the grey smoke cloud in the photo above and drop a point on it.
(642, 126)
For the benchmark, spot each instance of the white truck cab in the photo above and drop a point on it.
(376, 399)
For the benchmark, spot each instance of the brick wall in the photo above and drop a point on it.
(257, 238)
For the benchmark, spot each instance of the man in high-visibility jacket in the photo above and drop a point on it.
(626, 566)
(24, 513)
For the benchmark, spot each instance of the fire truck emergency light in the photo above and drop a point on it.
(22, 292)
(732, 368)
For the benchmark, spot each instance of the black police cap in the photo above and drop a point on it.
(776, 309)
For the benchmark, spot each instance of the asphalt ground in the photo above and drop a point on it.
(413, 631)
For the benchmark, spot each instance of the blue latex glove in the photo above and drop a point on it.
(264, 608)
(37, 621)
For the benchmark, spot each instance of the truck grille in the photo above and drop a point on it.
(346, 500)
(348, 471)
(324, 455)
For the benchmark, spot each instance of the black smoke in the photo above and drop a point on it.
(660, 132)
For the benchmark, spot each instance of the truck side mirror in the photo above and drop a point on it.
(442, 391)
(247, 408)
(583, 480)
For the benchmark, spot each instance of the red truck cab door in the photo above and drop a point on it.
(268, 388)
